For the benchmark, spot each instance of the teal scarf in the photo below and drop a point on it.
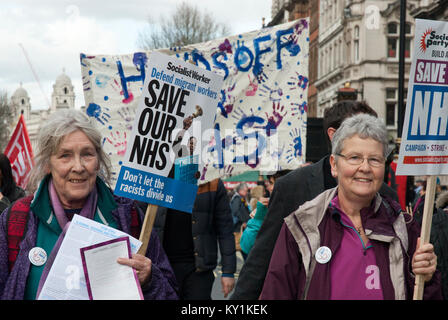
(49, 229)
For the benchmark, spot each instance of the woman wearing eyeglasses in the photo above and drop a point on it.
(350, 243)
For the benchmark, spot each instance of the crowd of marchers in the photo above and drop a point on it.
(326, 230)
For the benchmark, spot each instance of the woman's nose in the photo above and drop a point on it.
(365, 165)
(78, 163)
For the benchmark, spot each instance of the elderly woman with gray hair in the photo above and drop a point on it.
(349, 242)
(70, 177)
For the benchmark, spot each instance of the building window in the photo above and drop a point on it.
(392, 28)
(65, 90)
(407, 48)
(356, 44)
(390, 114)
(321, 66)
(393, 40)
(330, 58)
(341, 52)
(392, 48)
(391, 105)
(336, 55)
(391, 94)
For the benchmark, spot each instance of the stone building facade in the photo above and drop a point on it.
(63, 97)
(355, 44)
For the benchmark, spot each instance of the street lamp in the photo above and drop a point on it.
(401, 106)
(401, 69)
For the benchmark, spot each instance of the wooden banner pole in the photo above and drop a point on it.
(148, 223)
(426, 230)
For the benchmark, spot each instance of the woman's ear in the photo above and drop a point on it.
(330, 133)
(47, 168)
(334, 171)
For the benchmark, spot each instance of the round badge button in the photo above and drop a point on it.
(323, 255)
(37, 256)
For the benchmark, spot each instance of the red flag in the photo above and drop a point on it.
(20, 153)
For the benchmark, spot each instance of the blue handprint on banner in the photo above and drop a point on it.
(94, 110)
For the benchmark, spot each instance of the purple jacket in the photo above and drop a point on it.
(162, 285)
(294, 274)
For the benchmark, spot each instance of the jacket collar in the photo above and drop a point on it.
(378, 221)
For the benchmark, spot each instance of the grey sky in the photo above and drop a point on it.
(55, 32)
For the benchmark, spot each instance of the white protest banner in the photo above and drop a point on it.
(178, 103)
(424, 145)
(262, 105)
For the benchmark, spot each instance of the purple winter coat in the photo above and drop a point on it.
(294, 274)
(162, 285)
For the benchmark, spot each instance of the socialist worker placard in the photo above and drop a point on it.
(173, 121)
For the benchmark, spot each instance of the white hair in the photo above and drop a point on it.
(58, 125)
(363, 125)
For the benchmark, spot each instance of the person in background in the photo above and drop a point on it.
(439, 238)
(349, 242)
(291, 191)
(191, 240)
(256, 193)
(9, 191)
(418, 187)
(239, 207)
(71, 176)
(419, 204)
(254, 224)
(240, 213)
(442, 201)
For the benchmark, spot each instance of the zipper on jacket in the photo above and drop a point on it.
(359, 236)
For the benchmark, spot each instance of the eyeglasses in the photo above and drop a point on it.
(356, 160)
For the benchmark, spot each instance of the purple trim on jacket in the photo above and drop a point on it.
(162, 285)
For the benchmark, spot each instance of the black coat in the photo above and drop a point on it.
(211, 224)
(290, 191)
(6, 201)
(439, 238)
(240, 212)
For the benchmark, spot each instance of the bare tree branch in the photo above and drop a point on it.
(187, 25)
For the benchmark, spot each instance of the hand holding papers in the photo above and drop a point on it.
(105, 278)
(66, 280)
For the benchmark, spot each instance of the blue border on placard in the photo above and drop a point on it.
(423, 89)
(181, 194)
